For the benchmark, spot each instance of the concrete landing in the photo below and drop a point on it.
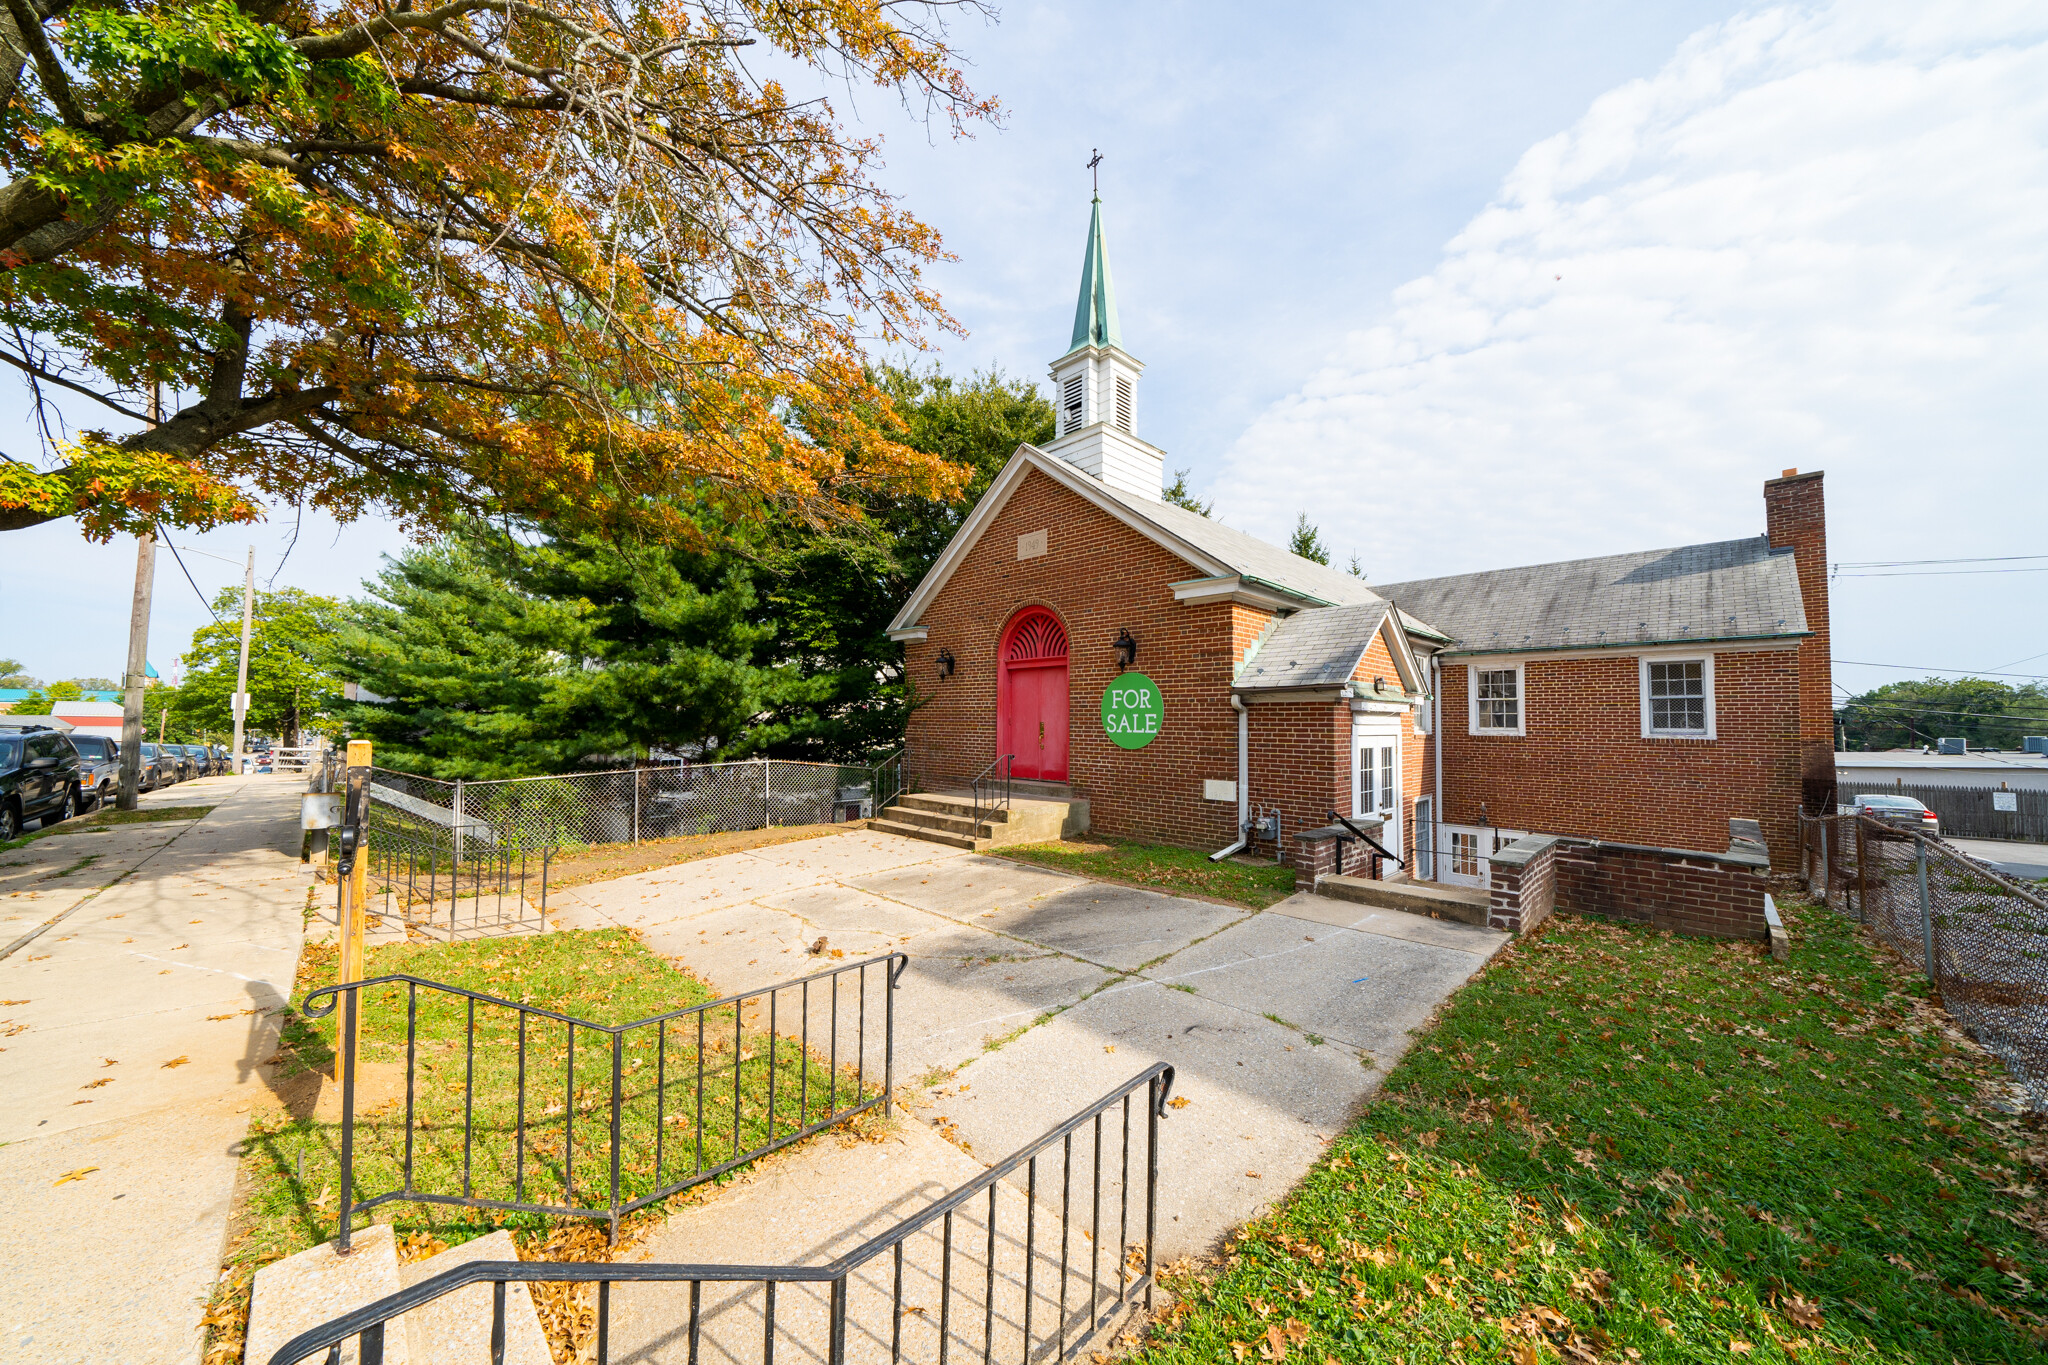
(301, 1292)
(1464, 904)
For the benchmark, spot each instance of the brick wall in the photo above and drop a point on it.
(1524, 884)
(1299, 756)
(1582, 767)
(1684, 891)
(1795, 512)
(1098, 576)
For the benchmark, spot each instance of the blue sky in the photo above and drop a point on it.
(1475, 285)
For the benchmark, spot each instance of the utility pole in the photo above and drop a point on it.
(242, 672)
(138, 651)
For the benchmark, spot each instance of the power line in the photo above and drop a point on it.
(1932, 573)
(1954, 672)
(1905, 563)
(189, 579)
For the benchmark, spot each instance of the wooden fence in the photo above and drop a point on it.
(1967, 812)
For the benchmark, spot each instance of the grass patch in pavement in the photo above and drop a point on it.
(86, 824)
(1620, 1145)
(1159, 867)
(291, 1158)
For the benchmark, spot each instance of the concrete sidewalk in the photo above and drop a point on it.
(137, 1027)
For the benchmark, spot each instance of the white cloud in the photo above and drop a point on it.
(1814, 239)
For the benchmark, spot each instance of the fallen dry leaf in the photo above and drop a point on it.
(1737, 1346)
(94, 1085)
(175, 1061)
(1802, 1311)
(1109, 1047)
(13, 1002)
(81, 1173)
(1177, 1102)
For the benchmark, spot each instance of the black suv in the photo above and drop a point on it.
(39, 778)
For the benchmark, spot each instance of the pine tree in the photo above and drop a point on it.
(1179, 494)
(1306, 543)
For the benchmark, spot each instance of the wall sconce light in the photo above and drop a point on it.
(1126, 649)
(1379, 684)
(946, 663)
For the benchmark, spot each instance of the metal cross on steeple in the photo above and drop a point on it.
(1094, 175)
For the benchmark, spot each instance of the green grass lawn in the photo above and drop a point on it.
(1181, 871)
(85, 824)
(561, 1152)
(1619, 1145)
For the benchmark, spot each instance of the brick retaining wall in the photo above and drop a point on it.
(1715, 895)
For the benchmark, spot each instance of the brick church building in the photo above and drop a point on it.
(1192, 682)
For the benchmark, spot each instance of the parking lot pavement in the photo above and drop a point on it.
(136, 1029)
(1031, 992)
(2028, 861)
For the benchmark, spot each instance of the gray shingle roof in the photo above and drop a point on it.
(1248, 555)
(1319, 647)
(1728, 589)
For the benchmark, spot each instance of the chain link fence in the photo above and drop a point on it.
(631, 805)
(1980, 935)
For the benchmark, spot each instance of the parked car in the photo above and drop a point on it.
(160, 767)
(199, 757)
(99, 760)
(39, 778)
(1900, 811)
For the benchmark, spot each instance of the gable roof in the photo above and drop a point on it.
(1726, 590)
(1317, 648)
(1210, 547)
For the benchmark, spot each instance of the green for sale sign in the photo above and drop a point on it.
(1132, 710)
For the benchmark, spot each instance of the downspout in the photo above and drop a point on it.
(1436, 741)
(1244, 794)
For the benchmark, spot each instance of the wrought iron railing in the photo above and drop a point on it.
(992, 789)
(442, 883)
(1015, 1299)
(517, 1155)
(891, 780)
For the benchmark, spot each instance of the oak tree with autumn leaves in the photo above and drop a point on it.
(570, 261)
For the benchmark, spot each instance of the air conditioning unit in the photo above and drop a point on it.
(2036, 744)
(1952, 746)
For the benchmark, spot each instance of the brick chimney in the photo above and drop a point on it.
(1795, 517)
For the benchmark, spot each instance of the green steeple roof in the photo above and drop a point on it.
(1095, 314)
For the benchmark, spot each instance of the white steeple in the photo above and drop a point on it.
(1095, 387)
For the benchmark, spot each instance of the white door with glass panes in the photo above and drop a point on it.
(1376, 776)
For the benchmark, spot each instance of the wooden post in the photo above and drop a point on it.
(355, 889)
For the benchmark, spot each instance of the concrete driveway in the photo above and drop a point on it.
(1030, 993)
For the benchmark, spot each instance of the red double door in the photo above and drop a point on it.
(1031, 696)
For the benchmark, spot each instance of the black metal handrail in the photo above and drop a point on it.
(368, 1322)
(995, 785)
(1377, 846)
(891, 779)
(725, 1155)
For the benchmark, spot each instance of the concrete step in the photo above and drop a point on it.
(455, 1329)
(313, 1287)
(950, 824)
(959, 807)
(833, 1195)
(929, 835)
(1416, 898)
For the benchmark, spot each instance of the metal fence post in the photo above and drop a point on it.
(1862, 874)
(457, 826)
(1926, 906)
(767, 817)
(636, 805)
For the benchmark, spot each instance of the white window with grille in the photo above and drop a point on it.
(1678, 696)
(1074, 405)
(1464, 853)
(1123, 404)
(1496, 700)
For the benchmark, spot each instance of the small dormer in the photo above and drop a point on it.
(1095, 387)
